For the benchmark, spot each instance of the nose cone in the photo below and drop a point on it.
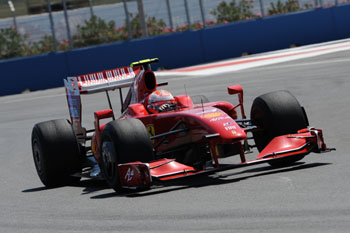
(219, 122)
(231, 130)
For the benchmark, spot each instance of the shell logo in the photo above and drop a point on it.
(211, 115)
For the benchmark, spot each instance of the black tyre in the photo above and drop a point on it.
(55, 152)
(123, 141)
(198, 99)
(277, 113)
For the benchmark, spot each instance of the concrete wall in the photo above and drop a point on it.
(179, 49)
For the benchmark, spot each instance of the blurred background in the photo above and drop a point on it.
(30, 27)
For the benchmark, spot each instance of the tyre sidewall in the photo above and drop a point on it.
(59, 153)
(131, 143)
(276, 113)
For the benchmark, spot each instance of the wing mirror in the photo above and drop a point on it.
(237, 89)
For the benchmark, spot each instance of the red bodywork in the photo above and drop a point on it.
(191, 127)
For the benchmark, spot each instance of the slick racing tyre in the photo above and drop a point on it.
(277, 113)
(55, 152)
(123, 141)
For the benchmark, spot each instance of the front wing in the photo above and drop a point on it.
(140, 175)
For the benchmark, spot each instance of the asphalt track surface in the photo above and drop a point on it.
(312, 196)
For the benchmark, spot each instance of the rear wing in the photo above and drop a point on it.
(103, 81)
(93, 83)
(100, 82)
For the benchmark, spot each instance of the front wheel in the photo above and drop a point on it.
(123, 141)
(277, 113)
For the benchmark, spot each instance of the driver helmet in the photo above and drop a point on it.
(161, 101)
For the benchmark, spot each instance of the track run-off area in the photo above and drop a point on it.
(311, 196)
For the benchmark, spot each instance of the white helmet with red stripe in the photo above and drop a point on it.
(160, 101)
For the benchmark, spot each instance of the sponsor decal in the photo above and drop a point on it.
(219, 118)
(151, 131)
(105, 76)
(211, 115)
(207, 111)
(228, 128)
(227, 123)
(234, 132)
(74, 105)
(129, 175)
(73, 98)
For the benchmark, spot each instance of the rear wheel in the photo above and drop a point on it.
(123, 141)
(277, 113)
(55, 152)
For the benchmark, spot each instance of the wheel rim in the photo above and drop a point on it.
(108, 160)
(37, 157)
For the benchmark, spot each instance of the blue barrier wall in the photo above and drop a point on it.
(179, 49)
(34, 73)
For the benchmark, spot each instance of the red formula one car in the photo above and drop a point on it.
(164, 137)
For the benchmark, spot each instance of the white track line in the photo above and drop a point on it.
(261, 60)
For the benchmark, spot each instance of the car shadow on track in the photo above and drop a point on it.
(205, 180)
(32, 190)
(89, 185)
(220, 178)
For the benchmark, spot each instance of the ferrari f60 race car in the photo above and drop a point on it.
(160, 137)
